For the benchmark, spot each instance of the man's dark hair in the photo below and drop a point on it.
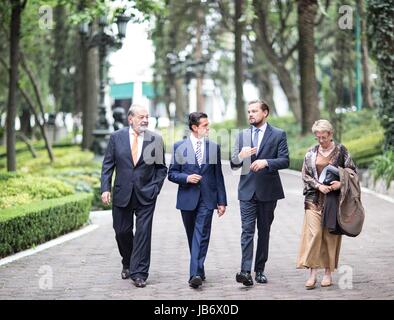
(263, 105)
(194, 118)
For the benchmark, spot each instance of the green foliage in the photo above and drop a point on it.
(27, 188)
(365, 149)
(73, 171)
(22, 227)
(64, 157)
(383, 167)
(381, 31)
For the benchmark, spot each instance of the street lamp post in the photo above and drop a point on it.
(188, 69)
(103, 41)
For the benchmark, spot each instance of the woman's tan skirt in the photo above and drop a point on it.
(319, 248)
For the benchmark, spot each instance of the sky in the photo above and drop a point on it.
(133, 61)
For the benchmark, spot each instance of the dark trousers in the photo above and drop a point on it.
(134, 248)
(253, 211)
(198, 230)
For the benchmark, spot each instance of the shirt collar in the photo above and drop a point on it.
(194, 139)
(262, 128)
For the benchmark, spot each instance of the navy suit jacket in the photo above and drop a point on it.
(265, 183)
(145, 178)
(211, 187)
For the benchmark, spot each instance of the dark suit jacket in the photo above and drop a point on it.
(211, 187)
(265, 183)
(145, 178)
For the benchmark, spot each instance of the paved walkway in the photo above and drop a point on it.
(89, 267)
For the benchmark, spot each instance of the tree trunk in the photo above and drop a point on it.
(307, 10)
(26, 128)
(198, 58)
(78, 75)
(367, 95)
(278, 63)
(25, 139)
(238, 64)
(180, 105)
(15, 25)
(36, 90)
(290, 90)
(90, 93)
(29, 102)
(265, 89)
(59, 35)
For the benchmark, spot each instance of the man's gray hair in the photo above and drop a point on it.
(133, 109)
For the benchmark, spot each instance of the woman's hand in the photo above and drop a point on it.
(335, 185)
(324, 189)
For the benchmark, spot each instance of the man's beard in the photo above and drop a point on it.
(253, 122)
(143, 128)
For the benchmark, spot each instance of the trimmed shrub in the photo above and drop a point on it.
(383, 168)
(365, 149)
(25, 226)
(18, 190)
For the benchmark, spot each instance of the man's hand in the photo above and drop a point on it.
(258, 165)
(193, 178)
(247, 152)
(106, 197)
(324, 189)
(221, 210)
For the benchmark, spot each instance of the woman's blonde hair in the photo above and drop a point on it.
(322, 125)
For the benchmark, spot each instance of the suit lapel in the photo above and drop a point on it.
(127, 143)
(267, 134)
(146, 141)
(205, 161)
(191, 156)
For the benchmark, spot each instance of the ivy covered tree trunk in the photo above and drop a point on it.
(307, 10)
(380, 19)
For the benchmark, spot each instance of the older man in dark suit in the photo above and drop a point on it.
(137, 155)
(260, 151)
(197, 169)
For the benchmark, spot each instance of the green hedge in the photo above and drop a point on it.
(25, 226)
(363, 151)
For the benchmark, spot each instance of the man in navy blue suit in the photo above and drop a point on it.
(137, 155)
(261, 150)
(196, 168)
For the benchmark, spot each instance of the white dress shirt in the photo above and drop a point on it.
(194, 140)
(261, 134)
(140, 141)
(260, 138)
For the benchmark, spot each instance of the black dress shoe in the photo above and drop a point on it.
(203, 278)
(139, 283)
(260, 277)
(245, 278)
(125, 273)
(195, 282)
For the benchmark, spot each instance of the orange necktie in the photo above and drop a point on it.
(134, 149)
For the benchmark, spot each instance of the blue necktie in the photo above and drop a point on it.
(199, 153)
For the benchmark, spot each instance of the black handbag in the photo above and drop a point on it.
(329, 174)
